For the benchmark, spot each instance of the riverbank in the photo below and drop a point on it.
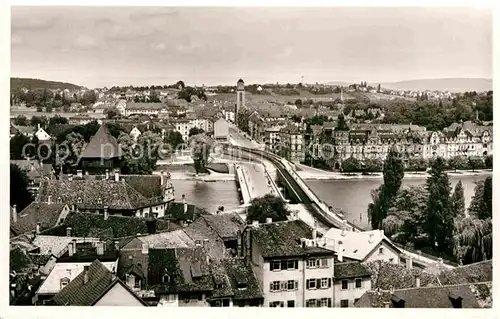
(189, 176)
(315, 174)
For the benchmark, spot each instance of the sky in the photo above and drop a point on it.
(106, 46)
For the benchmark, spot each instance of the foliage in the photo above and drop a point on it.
(242, 120)
(173, 138)
(36, 120)
(195, 131)
(481, 204)
(188, 92)
(475, 163)
(373, 165)
(393, 176)
(17, 143)
(386, 275)
(488, 162)
(180, 84)
(350, 165)
(19, 193)
(200, 152)
(472, 239)
(341, 123)
(18, 83)
(267, 206)
(458, 201)
(140, 157)
(70, 151)
(406, 217)
(417, 165)
(439, 223)
(21, 120)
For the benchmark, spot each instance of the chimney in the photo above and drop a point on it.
(417, 281)
(100, 248)
(269, 220)
(71, 248)
(239, 246)
(85, 274)
(106, 213)
(49, 200)
(14, 213)
(409, 262)
(151, 225)
(79, 173)
(117, 175)
(184, 203)
(343, 231)
(68, 231)
(145, 249)
(340, 252)
(162, 182)
(370, 239)
(205, 243)
(117, 245)
(255, 223)
(70, 177)
(314, 234)
(107, 174)
(37, 228)
(386, 304)
(38, 125)
(197, 243)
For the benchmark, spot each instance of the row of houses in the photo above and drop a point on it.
(220, 261)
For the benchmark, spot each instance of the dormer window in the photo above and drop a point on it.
(99, 201)
(64, 282)
(59, 200)
(79, 201)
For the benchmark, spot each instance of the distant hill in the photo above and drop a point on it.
(17, 83)
(449, 84)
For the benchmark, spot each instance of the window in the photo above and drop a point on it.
(345, 284)
(381, 250)
(311, 284)
(312, 263)
(274, 286)
(324, 263)
(225, 302)
(274, 304)
(326, 282)
(292, 264)
(290, 303)
(275, 265)
(326, 302)
(359, 283)
(344, 303)
(137, 282)
(310, 303)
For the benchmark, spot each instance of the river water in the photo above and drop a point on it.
(354, 195)
(350, 195)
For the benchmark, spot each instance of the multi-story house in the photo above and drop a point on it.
(272, 138)
(292, 143)
(145, 108)
(292, 269)
(352, 280)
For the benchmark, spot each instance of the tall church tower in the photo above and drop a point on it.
(240, 97)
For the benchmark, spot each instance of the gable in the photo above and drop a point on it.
(118, 295)
(388, 252)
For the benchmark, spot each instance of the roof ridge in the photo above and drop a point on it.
(435, 287)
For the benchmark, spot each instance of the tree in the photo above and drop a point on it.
(298, 102)
(141, 157)
(472, 240)
(200, 152)
(70, 150)
(21, 120)
(458, 201)
(350, 165)
(481, 204)
(475, 162)
(488, 162)
(180, 84)
(19, 193)
(39, 120)
(458, 162)
(487, 198)
(174, 138)
(268, 206)
(195, 131)
(439, 221)
(112, 113)
(406, 217)
(17, 143)
(378, 88)
(393, 176)
(341, 124)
